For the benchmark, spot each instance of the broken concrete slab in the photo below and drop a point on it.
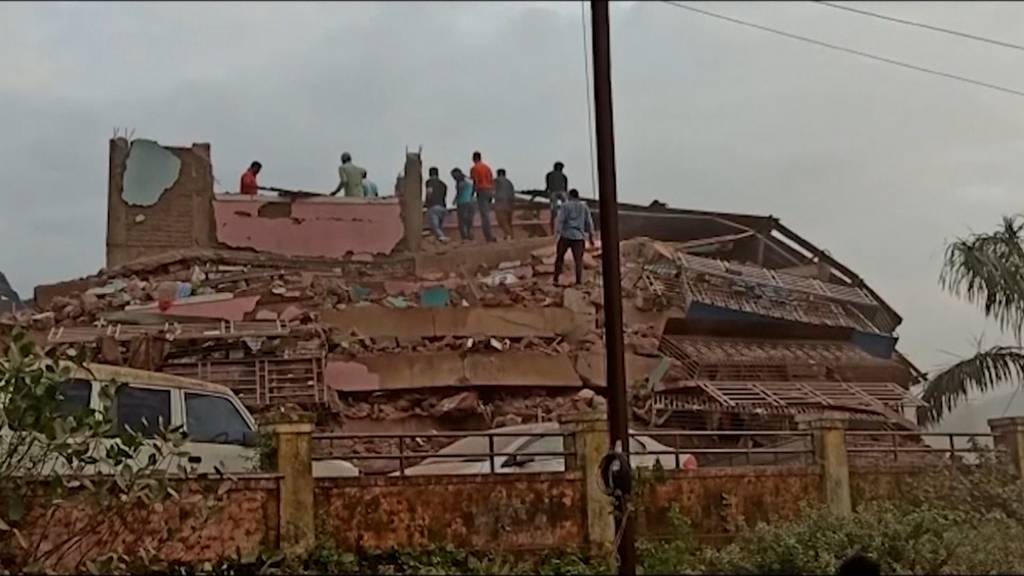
(462, 321)
(450, 369)
(208, 306)
(591, 367)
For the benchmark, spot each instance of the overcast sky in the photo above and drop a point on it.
(877, 164)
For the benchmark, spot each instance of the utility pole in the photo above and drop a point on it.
(615, 369)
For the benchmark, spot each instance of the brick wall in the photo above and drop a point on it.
(182, 218)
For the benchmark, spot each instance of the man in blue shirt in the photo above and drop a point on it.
(572, 225)
(465, 207)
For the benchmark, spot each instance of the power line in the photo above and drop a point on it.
(922, 25)
(847, 50)
(590, 104)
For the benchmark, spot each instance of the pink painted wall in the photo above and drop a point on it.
(327, 227)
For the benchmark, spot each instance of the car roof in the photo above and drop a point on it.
(106, 372)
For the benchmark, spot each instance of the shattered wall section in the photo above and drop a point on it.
(158, 199)
(316, 227)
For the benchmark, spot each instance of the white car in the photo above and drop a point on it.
(529, 452)
(221, 433)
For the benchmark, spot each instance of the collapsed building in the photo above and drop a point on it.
(347, 307)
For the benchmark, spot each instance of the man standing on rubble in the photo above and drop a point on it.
(572, 226)
(248, 186)
(483, 185)
(437, 198)
(464, 207)
(504, 199)
(556, 183)
(350, 177)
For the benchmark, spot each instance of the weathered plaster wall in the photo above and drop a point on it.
(712, 499)
(499, 512)
(327, 227)
(243, 524)
(881, 482)
(142, 219)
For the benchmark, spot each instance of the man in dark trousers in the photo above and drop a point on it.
(504, 201)
(573, 224)
(436, 201)
(555, 184)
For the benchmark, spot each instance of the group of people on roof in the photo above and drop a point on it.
(479, 191)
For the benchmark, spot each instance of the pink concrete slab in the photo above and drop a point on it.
(233, 309)
(325, 227)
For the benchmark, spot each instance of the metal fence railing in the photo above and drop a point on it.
(912, 447)
(715, 448)
(496, 452)
(411, 449)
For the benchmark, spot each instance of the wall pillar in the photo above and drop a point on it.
(409, 189)
(293, 444)
(587, 438)
(828, 431)
(1009, 436)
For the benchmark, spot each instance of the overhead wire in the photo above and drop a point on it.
(921, 25)
(853, 51)
(590, 102)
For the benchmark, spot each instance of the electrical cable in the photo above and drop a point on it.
(922, 25)
(847, 50)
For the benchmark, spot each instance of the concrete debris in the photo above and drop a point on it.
(251, 316)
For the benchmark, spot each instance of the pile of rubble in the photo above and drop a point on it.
(207, 314)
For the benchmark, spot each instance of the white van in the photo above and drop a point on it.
(221, 433)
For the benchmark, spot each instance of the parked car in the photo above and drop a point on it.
(526, 453)
(221, 433)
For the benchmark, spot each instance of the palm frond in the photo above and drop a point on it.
(988, 269)
(980, 373)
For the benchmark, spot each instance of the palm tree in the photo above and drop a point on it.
(984, 269)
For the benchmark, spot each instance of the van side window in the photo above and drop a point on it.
(142, 409)
(75, 397)
(213, 419)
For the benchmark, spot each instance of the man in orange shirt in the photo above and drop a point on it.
(249, 187)
(483, 186)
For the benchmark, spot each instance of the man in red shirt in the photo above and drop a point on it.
(249, 186)
(483, 186)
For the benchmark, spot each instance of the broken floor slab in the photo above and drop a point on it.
(450, 369)
(591, 367)
(374, 321)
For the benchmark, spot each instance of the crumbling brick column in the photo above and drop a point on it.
(828, 431)
(1009, 437)
(293, 445)
(409, 189)
(587, 439)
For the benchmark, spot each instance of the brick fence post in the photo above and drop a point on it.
(1009, 436)
(293, 445)
(587, 439)
(828, 431)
